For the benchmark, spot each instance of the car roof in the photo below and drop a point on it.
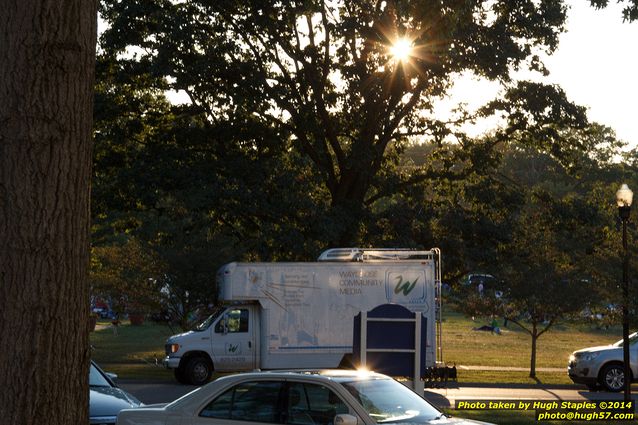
(338, 375)
(194, 398)
(326, 376)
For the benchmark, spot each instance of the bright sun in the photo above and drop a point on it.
(401, 49)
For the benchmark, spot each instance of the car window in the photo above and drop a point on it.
(388, 401)
(96, 379)
(312, 404)
(249, 401)
(236, 320)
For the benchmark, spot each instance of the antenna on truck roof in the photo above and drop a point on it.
(370, 254)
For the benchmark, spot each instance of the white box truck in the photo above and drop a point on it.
(301, 314)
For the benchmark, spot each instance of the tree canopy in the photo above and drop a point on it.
(559, 257)
(298, 129)
(320, 76)
(629, 12)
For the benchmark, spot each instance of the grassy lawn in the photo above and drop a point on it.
(464, 346)
(513, 377)
(136, 352)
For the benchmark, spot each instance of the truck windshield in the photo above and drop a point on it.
(388, 401)
(202, 326)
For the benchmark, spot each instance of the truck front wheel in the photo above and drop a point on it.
(180, 375)
(199, 370)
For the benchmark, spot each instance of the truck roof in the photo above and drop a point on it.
(376, 254)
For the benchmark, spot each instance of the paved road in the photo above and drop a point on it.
(167, 391)
(152, 392)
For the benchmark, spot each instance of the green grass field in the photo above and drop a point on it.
(512, 348)
(136, 352)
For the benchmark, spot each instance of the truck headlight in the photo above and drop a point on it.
(172, 348)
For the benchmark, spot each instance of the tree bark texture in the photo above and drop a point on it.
(47, 61)
(532, 361)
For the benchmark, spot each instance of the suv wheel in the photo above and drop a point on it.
(199, 370)
(613, 377)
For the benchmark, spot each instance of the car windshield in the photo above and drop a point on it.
(96, 379)
(202, 326)
(633, 339)
(388, 401)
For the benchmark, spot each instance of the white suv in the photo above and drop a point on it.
(603, 366)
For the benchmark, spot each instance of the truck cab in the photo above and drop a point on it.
(225, 341)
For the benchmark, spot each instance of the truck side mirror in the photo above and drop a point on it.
(345, 419)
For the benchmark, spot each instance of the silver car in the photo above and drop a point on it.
(338, 397)
(603, 366)
(106, 399)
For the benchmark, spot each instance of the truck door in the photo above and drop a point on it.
(234, 345)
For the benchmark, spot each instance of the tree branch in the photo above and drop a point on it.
(546, 328)
(520, 325)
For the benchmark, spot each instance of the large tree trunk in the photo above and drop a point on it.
(348, 207)
(47, 57)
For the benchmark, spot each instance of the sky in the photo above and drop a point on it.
(597, 66)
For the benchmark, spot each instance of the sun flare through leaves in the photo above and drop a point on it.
(401, 49)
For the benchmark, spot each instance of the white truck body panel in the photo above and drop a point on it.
(302, 314)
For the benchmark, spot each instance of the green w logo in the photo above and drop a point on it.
(405, 287)
(232, 348)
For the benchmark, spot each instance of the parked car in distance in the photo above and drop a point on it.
(106, 399)
(603, 366)
(330, 397)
